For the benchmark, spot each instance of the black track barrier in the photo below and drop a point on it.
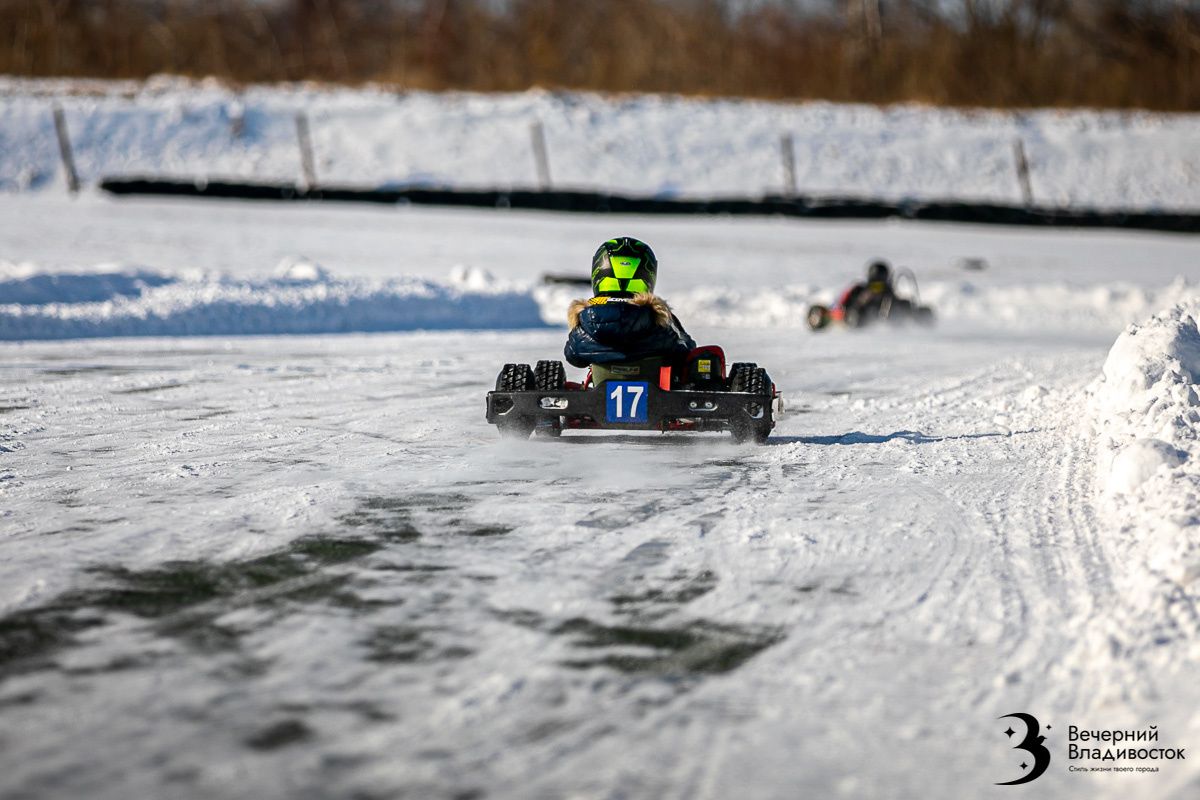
(596, 202)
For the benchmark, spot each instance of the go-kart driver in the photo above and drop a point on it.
(866, 299)
(624, 321)
(873, 299)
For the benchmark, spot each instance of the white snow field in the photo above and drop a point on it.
(638, 144)
(304, 565)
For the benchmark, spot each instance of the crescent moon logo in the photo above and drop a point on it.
(1031, 744)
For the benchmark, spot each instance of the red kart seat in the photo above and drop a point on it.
(705, 364)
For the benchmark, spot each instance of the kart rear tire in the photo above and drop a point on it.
(923, 315)
(752, 379)
(901, 310)
(818, 317)
(736, 371)
(515, 378)
(549, 376)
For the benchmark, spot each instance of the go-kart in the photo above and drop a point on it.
(891, 308)
(655, 394)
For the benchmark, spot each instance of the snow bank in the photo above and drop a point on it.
(25, 284)
(633, 144)
(1059, 306)
(300, 298)
(1146, 410)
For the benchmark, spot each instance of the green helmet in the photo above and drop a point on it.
(622, 267)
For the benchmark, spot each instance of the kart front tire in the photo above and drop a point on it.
(818, 317)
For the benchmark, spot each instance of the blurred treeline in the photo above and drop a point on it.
(1104, 53)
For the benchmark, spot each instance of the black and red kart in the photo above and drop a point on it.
(694, 393)
(893, 309)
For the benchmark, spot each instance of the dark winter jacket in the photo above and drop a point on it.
(608, 330)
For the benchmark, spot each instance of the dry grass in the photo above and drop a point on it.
(1003, 53)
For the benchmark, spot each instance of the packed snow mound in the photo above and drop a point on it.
(1140, 461)
(301, 298)
(1162, 353)
(25, 285)
(631, 144)
(1146, 410)
(298, 269)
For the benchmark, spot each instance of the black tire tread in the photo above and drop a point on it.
(751, 379)
(736, 373)
(549, 376)
(514, 378)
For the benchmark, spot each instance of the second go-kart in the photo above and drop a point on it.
(654, 394)
(855, 311)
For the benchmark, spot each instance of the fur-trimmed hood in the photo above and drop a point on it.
(662, 311)
(607, 330)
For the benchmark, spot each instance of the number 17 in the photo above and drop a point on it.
(618, 394)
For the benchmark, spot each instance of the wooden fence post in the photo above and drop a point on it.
(304, 138)
(64, 150)
(237, 122)
(787, 148)
(1023, 171)
(541, 155)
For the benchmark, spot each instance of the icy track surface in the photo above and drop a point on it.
(305, 567)
(258, 565)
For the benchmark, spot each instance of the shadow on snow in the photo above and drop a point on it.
(915, 437)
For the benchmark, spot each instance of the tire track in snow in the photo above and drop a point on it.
(949, 557)
(1027, 546)
(1057, 584)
